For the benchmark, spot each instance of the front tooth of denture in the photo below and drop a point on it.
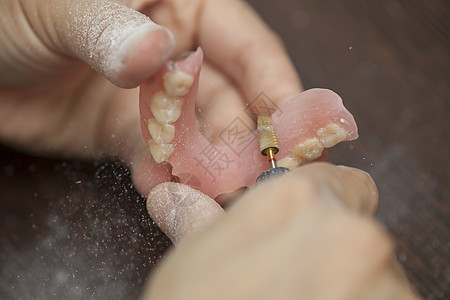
(308, 150)
(160, 152)
(177, 83)
(161, 133)
(331, 135)
(166, 109)
(289, 162)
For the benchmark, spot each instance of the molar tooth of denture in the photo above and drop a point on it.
(289, 162)
(161, 133)
(165, 109)
(331, 135)
(308, 150)
(177, 83)
(160, 152)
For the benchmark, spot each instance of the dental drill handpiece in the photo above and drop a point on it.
(268, 145)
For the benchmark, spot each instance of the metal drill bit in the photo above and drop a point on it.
(268, 144)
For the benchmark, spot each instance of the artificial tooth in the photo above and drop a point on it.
(161, 133)
(177, 83)
(166, 109)
(160, 152)
(331, 135)
(289, 162)
(308, 150)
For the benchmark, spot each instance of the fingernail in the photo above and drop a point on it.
(367, 180)
(172, 64)
(183, 55)
(363, 175)
(121, 64)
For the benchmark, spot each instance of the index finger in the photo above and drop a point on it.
(248, 51)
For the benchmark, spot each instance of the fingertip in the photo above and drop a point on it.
(120, 43)
(140, 55)
(180, 210)
(353, 188)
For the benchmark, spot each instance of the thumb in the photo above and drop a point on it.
(120, 43)
(180, 210)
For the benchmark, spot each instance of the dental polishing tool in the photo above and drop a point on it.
(268, 145)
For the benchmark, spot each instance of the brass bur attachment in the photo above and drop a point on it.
(268, 145)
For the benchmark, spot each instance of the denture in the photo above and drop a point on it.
(305, 125)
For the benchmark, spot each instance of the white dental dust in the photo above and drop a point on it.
(105, 33)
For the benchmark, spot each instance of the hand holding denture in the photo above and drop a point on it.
(64, 66)
(54, 102)
(304, 236)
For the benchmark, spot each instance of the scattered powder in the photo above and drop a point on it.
(91, 241)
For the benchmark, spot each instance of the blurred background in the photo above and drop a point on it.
(77, 230)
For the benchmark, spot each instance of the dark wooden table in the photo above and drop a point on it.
(76, 230)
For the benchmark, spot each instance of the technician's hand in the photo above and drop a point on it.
(64, 63)
(307, 235)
